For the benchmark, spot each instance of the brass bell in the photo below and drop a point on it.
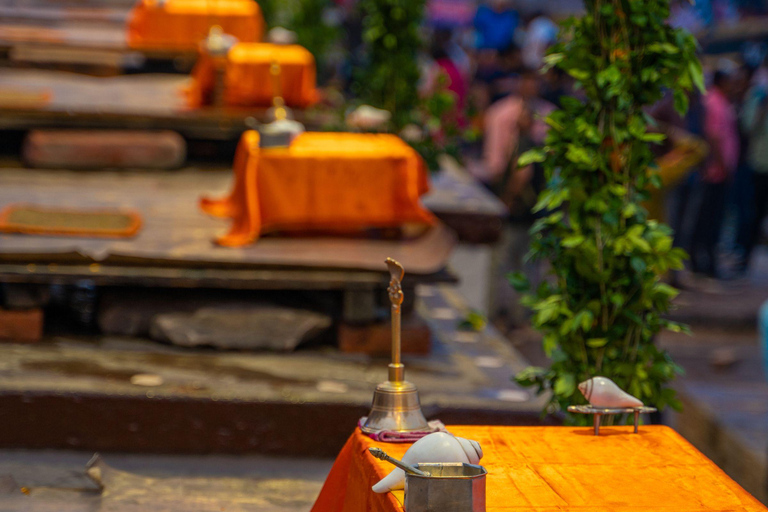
(396, 404)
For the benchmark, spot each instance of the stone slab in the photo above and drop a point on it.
(56, 481)
(98, 149)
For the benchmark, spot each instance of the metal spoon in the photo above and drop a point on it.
(380, 454)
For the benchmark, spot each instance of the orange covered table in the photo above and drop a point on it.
(323, 181)
(558, 469)
(182, 24)
(247, 79)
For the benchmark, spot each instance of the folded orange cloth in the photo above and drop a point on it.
(558, 469)
(247, 78)
(183, 24)
(325, 181)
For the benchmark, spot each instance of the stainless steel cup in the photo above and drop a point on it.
(450, 487)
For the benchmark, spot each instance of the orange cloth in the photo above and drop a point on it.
(558, 469)
(183, 24)
(247, 79)
(326, 181)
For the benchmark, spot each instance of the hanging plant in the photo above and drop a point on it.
(389, 75)
(604, 305)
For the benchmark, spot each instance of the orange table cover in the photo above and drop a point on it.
(548, 469)
(325, 181)
(247, 79)
(183, 24)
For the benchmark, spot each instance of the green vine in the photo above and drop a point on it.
(305, 17)
(600, 312)
(389, 75)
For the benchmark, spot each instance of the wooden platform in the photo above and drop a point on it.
(144, 101)
(176, 233)
(81, 35)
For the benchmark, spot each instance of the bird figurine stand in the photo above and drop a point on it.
(599, 412)
(605, 398)
(396, 404)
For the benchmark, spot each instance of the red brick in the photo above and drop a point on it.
(93, 149)
(22, 325)
(376, 339)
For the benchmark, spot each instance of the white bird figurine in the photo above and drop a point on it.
(435, 447)
(603, 392)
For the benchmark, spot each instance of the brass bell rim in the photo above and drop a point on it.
(369, 430)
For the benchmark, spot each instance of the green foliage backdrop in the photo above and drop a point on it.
(601, 310)
(389, 76)
(306, 18)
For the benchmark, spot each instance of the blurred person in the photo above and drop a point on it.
(754, 121)
(445, 39)
(501, 126)
(540, 33)
(518, 188)
(495, 24)
(740, 196)
(721, 133)
(442, 63)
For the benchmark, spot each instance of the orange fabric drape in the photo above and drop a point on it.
(558, 469)
(182, 24)
(326, 181)
(247, 79)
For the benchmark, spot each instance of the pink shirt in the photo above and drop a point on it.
(501, 132)
(720, 126)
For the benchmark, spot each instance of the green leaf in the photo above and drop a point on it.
(638, 264)
(531, 156)
(680, 101)
(552, 59)
(619, 190)
(697, 74)
(597, 342)
(663, 48)
(519, 281)
(572, 241)
(549, 344)
(530, 375)
(578, 155)
(653, 137)
(473, 321)
(565, 385)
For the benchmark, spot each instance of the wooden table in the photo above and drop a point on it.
(548, 469)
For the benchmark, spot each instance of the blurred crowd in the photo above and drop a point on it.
(714, 165)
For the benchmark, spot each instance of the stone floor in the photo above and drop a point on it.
(57, 482)
(84, 394)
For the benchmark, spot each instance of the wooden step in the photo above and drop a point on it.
(93, 149)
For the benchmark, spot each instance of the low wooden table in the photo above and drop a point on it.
(247, 78)
(538, 469)
(340, 182)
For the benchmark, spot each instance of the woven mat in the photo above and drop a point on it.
(37, 220)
